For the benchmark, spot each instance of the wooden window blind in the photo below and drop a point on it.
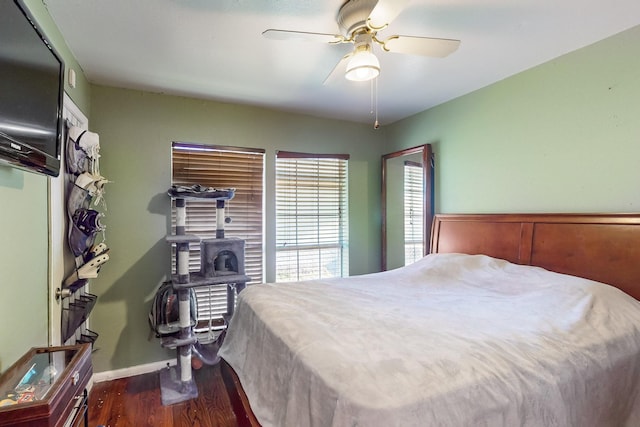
(221, 167)
(311, 216)
(413, 212)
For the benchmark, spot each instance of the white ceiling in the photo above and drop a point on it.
(214, 49)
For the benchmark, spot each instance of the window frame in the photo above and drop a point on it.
(413, 184)
(201, 214)
(333, 243)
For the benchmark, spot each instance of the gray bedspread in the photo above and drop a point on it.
(452, 340)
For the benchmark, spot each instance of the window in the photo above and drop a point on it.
(221, 167)
(413, 214)
(311, 216)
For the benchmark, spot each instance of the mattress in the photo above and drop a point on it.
(451, 340)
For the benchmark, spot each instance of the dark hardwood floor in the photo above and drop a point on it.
(136, 401)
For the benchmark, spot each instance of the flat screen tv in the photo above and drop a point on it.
(31, 93)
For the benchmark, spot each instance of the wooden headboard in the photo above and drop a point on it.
(602, 247)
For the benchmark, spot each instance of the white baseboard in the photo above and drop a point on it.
(131, 371)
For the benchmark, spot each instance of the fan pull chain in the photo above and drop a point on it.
(371, 97)
(374, 102)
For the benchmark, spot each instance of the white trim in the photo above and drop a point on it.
(76, 112)
(132, 371)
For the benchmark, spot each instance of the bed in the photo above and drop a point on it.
(507, 323)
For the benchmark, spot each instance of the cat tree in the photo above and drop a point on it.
(222, 262)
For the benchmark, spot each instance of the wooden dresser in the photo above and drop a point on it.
(47, 388)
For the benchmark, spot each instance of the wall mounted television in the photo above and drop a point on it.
(31, 93)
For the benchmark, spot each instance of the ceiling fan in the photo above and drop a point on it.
(360, 21)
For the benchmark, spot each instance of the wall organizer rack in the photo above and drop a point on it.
(85, 195)
(221, 262)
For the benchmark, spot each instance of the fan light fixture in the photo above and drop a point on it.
(363, 66)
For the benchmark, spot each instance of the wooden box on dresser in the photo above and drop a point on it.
(47, 387)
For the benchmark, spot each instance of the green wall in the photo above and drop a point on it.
(23, 263)
(24, 216)
(80, 94)
(136, 130)
(561, 137)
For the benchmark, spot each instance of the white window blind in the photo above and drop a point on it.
(311, 216)
(413, 212)
(221, 167)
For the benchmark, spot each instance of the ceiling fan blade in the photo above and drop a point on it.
(425, 46)
(302, 35)
(338, 71)
(384, 12)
